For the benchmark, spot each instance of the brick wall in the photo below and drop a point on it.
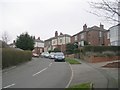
(93, 38)
(106, 40)
(94, 59)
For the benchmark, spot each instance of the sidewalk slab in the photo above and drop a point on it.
(84, 73)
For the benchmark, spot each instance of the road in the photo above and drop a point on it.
(38, 73)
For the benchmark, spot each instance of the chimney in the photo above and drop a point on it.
(38, 38)
(14, 41)
(101, 26)
(85, 27)
(56, 33)
(61, 33)
(34, 37)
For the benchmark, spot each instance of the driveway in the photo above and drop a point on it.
(38, 73)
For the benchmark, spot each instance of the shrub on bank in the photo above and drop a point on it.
(101, 48)
(12, 57)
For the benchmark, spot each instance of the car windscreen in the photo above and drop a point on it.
(59, 54)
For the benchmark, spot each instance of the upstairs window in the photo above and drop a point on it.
(76, 38)
(82, 36)
(60, 40)
(100, 34)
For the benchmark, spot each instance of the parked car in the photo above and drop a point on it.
(59, 56)
(35, 55)
(52, 55)
(46, 54)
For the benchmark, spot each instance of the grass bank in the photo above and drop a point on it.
(72, 61)
(83, 86)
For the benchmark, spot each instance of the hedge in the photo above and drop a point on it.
(101, 48)
(12, 57)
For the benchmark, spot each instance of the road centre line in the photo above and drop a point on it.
(40, 71)
(9, 86)
(50, 64)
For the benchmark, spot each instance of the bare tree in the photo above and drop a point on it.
(110, 10)
(5, 37)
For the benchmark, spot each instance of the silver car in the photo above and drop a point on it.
(59, 56)
(52, 55)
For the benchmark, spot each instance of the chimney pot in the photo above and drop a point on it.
(61, 33)
(101, 26)
(56, 33)
(38, 38)
(85, 27)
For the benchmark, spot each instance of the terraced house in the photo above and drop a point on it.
(58, 41)
(96, 36)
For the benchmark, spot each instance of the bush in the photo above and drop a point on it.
(12, 57)
(101, 48)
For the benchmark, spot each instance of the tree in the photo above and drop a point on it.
(56, 50)
(107, 9)
(72, 48)
(25, 42)
(5, 37)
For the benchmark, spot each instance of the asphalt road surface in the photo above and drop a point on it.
(38, 73)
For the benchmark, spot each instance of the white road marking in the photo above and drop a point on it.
(50, 64)
(9, 86)
(40, 71)
(70, 77)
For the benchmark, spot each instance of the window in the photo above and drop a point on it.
(60, 40)
(108, 35)
(76, 38)
(100, 34)
(82, 36)
(53, 41)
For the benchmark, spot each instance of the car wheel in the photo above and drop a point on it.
(63, 60)
(55, 60)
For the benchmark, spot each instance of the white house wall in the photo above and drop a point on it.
(54, 41)
(68, 40)
(39, 44)
(114, 36)
(57, 41)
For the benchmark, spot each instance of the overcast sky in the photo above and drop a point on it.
(41, 18)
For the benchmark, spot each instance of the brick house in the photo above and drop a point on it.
(58, 41)
(95, 36)
(39, 46)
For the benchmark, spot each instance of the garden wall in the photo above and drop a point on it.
(95, 59)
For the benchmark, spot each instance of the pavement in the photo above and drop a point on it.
(94, 73)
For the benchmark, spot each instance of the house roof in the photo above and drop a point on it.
(89, 29)
(58, 36)
(37, 40)
(114, 26)
(64, 35)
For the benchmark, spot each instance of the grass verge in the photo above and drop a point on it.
(83, 86)
(72, 61)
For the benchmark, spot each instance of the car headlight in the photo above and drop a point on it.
(55, 56)
(63, 56)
